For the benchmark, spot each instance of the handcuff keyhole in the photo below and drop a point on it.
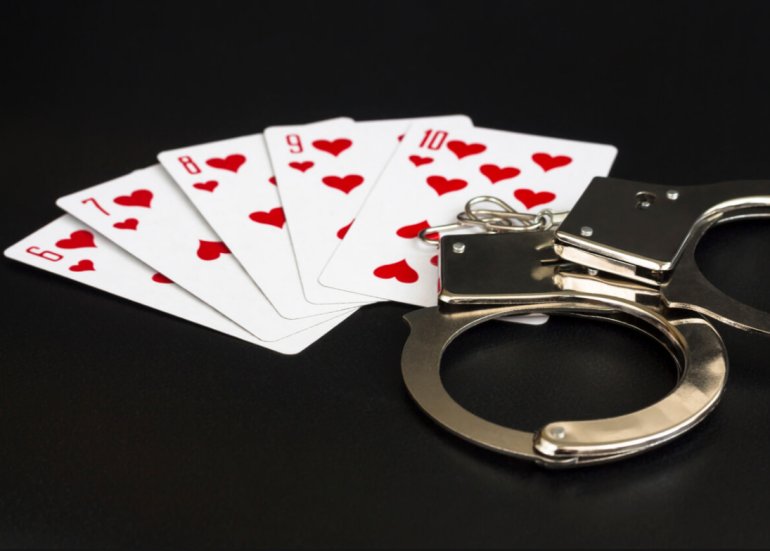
(644, 200)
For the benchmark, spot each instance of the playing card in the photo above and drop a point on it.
(68, 248)
(325, 171)
(146, 214)
(331, 140)
(434, 172)
(232, 185)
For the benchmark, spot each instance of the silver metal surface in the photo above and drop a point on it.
(634, 265)
(515, 269)
(693, 342)
(685, 288)
(503, 219)
(501, 268)
(688, 288)
(651, 238)
(656, 244)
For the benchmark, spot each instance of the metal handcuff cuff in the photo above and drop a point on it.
(626, 254)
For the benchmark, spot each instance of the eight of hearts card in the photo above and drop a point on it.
(232, 185)
(324, 172)
(69, 248)
(434, 172)
(146, 214)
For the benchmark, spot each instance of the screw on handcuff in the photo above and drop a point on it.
(626, 254)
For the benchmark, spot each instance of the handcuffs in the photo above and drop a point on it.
(626, 254)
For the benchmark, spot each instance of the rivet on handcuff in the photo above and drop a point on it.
(625, 254)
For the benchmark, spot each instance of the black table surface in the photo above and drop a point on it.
(123, 426)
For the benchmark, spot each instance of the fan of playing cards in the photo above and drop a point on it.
(277, 238)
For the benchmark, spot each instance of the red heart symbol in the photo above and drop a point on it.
(346, 183)
(127, 224)
(434, 260)
(343, 231)
(462, 149)
(83, 266)
(160, 278)
(496, 173)
(210, 250)
(334, 147)
(414, 230)
(138, 198)
(303, 166)
(206, 186)
(77, 240)
(441, 185)
(231, 162)
(419, 161)
(547, 162)
(401, 137)
(273, 218)
(532, 199)
(400, 270)
(272, 180)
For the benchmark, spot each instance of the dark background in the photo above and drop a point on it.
(122, 426)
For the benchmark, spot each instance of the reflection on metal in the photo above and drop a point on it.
(625, 253)
(693, 343)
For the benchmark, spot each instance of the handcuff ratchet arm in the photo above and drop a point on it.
(648, 233)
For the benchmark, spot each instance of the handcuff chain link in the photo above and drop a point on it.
(501, 220)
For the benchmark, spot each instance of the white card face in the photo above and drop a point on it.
(321, 147)
(146, 214)
(434, 172)
(232, 185)
(325, 171)
(68, 248)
